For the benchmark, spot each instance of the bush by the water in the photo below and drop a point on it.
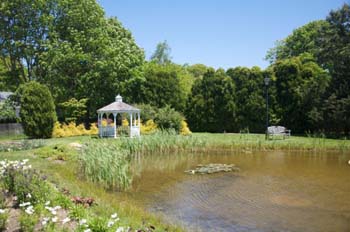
(168, 118)
(37, 113)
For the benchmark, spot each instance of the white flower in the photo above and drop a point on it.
(87, 230)
(57, 207)
(25, 161)
(110, 224)
(82, 221)
(120, 229)
(67, 219)
(115, 215)
(45, 220)
(2, 211)
(24, 204)
(54, 219)
(29, 210)
(47, 203)
(29, 195)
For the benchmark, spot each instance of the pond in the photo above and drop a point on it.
(274, 191)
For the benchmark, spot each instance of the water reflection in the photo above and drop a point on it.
(275, 191)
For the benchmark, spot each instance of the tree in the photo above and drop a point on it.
(302, 40)
(162, 86)
(37, 113)
(162, 53)
(211, 106)
(300, 86)
(250, 100)
(334, 50)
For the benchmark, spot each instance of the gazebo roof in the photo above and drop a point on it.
(118, 107)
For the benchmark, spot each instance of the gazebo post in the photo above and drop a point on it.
(139, 121)
(115, 125)
(130, 125)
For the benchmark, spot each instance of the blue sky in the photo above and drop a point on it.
(217, 33)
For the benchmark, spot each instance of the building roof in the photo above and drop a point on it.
(5, 95)
(118, 107)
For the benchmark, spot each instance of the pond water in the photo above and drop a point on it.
(275, 191)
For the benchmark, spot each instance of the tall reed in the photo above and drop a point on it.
(107, 163)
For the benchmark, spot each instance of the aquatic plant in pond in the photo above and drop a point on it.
(107, 163)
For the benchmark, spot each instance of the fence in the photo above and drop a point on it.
(10, 129)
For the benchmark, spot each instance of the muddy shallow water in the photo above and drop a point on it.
(275, 191)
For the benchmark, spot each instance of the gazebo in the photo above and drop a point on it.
(115, 108)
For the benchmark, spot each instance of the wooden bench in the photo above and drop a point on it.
(278, 131)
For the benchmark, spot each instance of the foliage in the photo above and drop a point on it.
(56, 152)
(37, 110)
(211, 106)
(300, 85)
(302, 40)
(71, 129)
(184, 128)
(168, 118)
(148, 112)
(111, 168)
(7, 112)
(28, 222)
(162, 86)
(162, 53)
(149, 127)
(73, 109)
(250, 97)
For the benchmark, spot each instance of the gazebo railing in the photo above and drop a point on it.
(106, 131)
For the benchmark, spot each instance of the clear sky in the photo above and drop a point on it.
(217, 33)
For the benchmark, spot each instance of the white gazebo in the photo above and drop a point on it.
(115, 108)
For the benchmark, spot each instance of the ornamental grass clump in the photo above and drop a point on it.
(106, 163)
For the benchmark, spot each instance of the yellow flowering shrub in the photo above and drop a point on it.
(64, 130)
(93, 129)
(57, 132)
(125, 122)
(149, 127)
(184, 130)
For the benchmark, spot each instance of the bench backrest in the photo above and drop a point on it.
(276, 129)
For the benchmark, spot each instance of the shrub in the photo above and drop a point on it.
(7, 112)
(56, 152)
(184, 128)
(149, 127)
(72, 129)
(148, 112)
(168, 118)
(37, 110)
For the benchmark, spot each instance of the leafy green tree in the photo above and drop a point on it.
(211, 106)
(300, 86)
(37, 113)
(73, 110)
(250, 100)
(162, 53)
(162, 86)
(24, 26)
(334, 50)
(197, 70)
(302, 40)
